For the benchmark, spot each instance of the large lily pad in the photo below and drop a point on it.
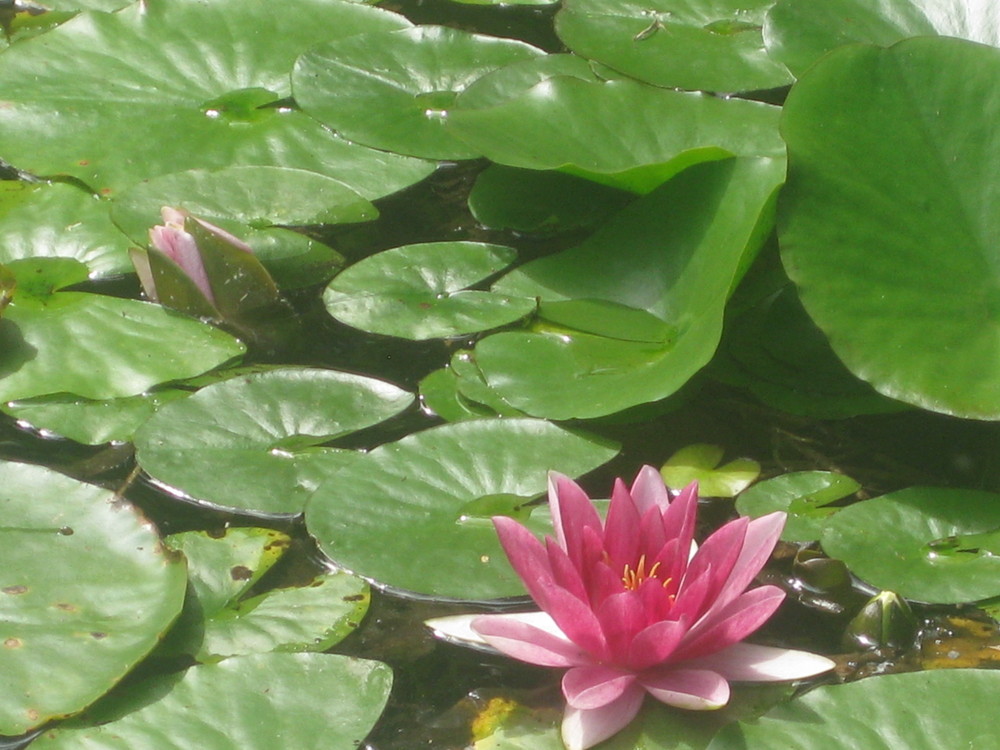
(421, 291)
(414, 515)
(409, 77)
(637, 308)
(891, 171)
(804, 495)
(93, 345)
(86, 590)
(799, 33)
(712, 46)
(167, 85)
(621, 133)
(928, 544)
(258, 702)
(918, 711)
(249, 443)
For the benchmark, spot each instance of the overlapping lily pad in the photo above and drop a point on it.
(411, 78)
(421, 291)
(258, 702)
(928, 544)
(92, 345)
(798, 33)
(167, 85)
(711, 46)
(250, 443)
(644, 296)
(804, 495)
(433, 493)
(702, 463)
(86, 590)
(918, 711)
(621, 133)
(884, 184)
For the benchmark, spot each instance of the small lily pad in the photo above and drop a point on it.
(700, 463)
(804, 495)
(926, 544)
(421, 291)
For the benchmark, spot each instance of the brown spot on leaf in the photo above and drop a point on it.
(241, 573)
(67, 607)
(354, 598)
(15, 589)
(98, 635)
(66, 531)
(13, 643)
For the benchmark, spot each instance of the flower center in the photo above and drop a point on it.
(632, 578)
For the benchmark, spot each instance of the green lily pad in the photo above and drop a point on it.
(421, 291)
(413, 493)
(701, 463)
(60, 220)
(918, 711)
(927, 544)
(804, 495)
(529, 200)
(674, 255)
(92, 345)
(257, 702)
(798, 33)
(168, 85)
(711, 46)
(620, 133)
(8, 284)
(864, 225)
(410, 77)
(249, 443)
(86, 590)
(219, 620)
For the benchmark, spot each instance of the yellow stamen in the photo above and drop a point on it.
(633, 577)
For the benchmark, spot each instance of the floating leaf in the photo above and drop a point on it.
(249, 443)
(672, 255)
(258, 702)
(883, 184)
(918, 711)
(620, 133)
(411, 77)
(709, 46)
(93, 345)
(700, 463)
(804, 495)
(112, 99)
(86, 590)
(420, 291)
(414, 491)
(928, 544)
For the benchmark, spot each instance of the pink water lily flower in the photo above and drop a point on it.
(631, 606)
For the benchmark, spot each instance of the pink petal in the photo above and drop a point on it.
(722, 628)
(595, 685)
(572, 511)
(564, 573)
(621, 616)
(649, 491)
(655, 644)
(575, 618)
(651, 535)
(762, 534)
(720, 552)
(621, 530)
(583, 728)
(748, 662)
(692, 689)
(526, 554)
(678, 522)
(182, 249)
(526, 641)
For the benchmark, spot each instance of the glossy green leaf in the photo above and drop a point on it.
(86, 589)
(799, 33)
(249, 443)
(530, 200)
(439, 395)
(711, 46)
(92, 345)
(8, 285)
(701, 463)
(918, 711)
(258, 702)
(413, 493)
(884, 184)
(421, 291)
(923, 543)
(674, 255)
(803, 495)
(620, 133)
(60, 220)
(410, 77)
(198, 80)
